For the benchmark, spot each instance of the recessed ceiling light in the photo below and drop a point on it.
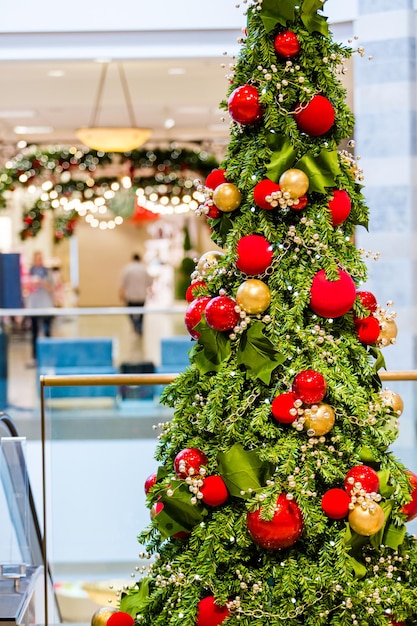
(33, 130)
(176, 71)
(56, 73)
(169, 123)
(9, 114)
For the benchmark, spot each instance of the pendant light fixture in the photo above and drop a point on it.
(113, 138)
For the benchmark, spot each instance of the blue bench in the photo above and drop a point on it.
(63, 356)
(174, 354)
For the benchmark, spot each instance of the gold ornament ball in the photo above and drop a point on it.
(321, 420)
(388, 332)
(101, 616)
(392, 399)
(295, 182)
(366, 522)
(227, 197)
(208, 261)
(253, 296)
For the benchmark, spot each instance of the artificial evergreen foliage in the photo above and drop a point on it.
(350, 561)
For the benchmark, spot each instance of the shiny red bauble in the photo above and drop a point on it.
(283, 409)
(244, 106)
(254, 254)
(367, 329)
(300, 203)
(263, 190)
(332, 298)
(309, 386)
(339, 206)
(282, 531)
(368, 300)
(315, 118)
(220, 313)
(120, 618)
(193, 314)
(213, 212)
(209, 613)
(335, 503)
(215, 178)
(363, 474)
(214, 491)
(189, 461)
(190, 294)
(410, 509)
(286, 44)
(149, 483)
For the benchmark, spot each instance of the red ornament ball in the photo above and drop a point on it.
(283, 409)
(190, 293)
(300, 203)
(215, 178)
(332, 298)
(315, 118)
(213, 212)
(244, 106)
(410, 509)
(309, 386)
(214, 491)
(286, 44)
(339, 206)
(149, 483)
(189, 461)
(368, 300)
(367, 329)
(335, 503)
(282, 531)
(120, 618)
(193, 314)
(363, 474)
(262, 194)
(209, 613)
(254, 254)
(220, 313)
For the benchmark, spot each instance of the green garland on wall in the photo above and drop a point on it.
(75, 172)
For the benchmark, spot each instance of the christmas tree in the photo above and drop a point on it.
(277, 499)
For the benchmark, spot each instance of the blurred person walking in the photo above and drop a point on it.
(135, 283)
(40, 297)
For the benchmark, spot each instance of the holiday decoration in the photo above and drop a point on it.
(254, 253)
(244, 106)
(388, 332)
(286, 44)
(227, 197)
(283, 408)
(300, 203)
(335, 503)
(339, 206)
(367, 520)
(266, 194)
(368, 300)
(120, 618)
(410, 509)
(364, 476)
(215, 178)
(191, 292)
(210, 613)
(208, 261)
(310, 386)
(220, 313)
(368, 329)
(332, 298)
(319, 420)
(392, 399)
(101, 616)
(193, 314)
(189, 461)
(149, 483)
(294, 182)
(282, 531)
(253, 296)
(214, 491)
(316, 117)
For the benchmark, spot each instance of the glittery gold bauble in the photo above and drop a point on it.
(227, 197)
(367, 521)
(294, 182)
(321, 420)
(101, 616)
(253, 296)
(388, 332)
(392, 399)
(208, 261)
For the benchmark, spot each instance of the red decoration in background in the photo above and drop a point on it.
(332, 298)
(149, 482)
(220, 313)
(309, 386)
(120, 619)
(315, 118)
(189, 459)
(190, 293)
(141, 215)
(282, 531)
(262, 190)
(368, 300)
(209, 613)
(365, 475)
(335, 503)
(215, 178)
(193, 314)
(244, 106)
(254, 254)
(286, 44)
(339, 206)
(367, 329)
(410, 509)
(281, 407)
(214, 491)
